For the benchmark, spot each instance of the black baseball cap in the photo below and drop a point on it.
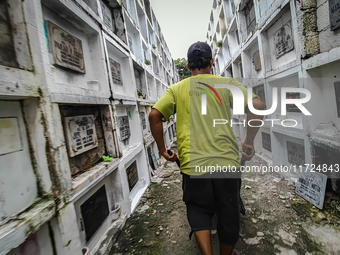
(199, 50)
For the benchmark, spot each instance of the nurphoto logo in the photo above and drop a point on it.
(238, 104)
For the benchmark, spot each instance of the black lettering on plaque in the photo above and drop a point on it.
(67, 49)
(257, 60)
(94, 211)
(334, 13)
(296, 153)
(292, 107)
(283, 40)
(142, 116)
(337, 96)
(132, 175)
(116, 72)
(124, 128)
(266, 141)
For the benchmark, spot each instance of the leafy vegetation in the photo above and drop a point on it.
(182, 69)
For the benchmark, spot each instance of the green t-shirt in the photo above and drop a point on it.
(200, 143)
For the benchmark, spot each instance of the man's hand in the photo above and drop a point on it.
(166, 155)
(245, 146)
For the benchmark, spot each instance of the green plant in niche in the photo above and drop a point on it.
(147, 62)
(210, 38)
(153, 46)
(121, 2)
(139, 93)
(219, 43)
(107, 158)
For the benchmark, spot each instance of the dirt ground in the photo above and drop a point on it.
(277, 221)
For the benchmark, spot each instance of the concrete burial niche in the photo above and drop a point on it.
(290, 150)
(134, 40)
(263, 144)
(120, 71)
(152, 92)
(111, 14)
(292, 112)
(228, 12)
(98, 208)
(233, 38)
(238, 68)
(140, 78)
(253, 62)
(87, 137)
(131, 8)
(324, 84)
(142, 22)
(247, 19)
(75, 56)
(279, 38)
(129, 130)
(18, 182)
(224, 55)
(136, 178)
(144, 116)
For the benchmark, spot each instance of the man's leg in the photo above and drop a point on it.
(227, 249)
(227, 196)
(204, 241)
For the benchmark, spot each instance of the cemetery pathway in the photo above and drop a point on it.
(277, 221)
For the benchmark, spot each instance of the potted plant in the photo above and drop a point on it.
(153, 46)
(140, 94)
(115, 212)
(147, 62)
(219, 43)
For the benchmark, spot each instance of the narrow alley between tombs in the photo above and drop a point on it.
(277, 221)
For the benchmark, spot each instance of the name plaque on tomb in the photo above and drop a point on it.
(337, 96)
(334, 13)
(107, 15)
(292, 107)
(124, 128)
(67, 49)
(296, 153)
(142, 116)
(266, 141)
(283, 40)
(81, 134)
(312, 187)
(257, 60)
(94, 211)
(132, 175)
(116, 73)
(10, 137)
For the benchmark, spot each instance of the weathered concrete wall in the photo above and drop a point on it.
(15, 161)
(310, 32)
(328, 39)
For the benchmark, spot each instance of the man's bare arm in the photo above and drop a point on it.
(156, 126)
(252, 131)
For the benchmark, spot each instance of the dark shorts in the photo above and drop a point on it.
(205, 197)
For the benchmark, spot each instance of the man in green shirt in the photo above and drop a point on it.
(207, 147)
